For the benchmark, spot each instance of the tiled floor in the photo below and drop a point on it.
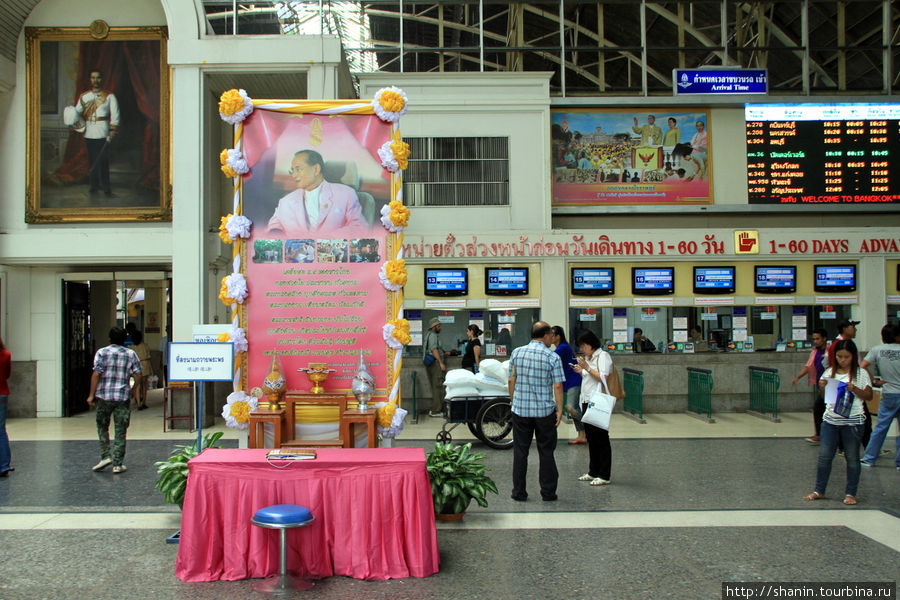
(691, 505)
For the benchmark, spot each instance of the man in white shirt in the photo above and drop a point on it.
(99, 110)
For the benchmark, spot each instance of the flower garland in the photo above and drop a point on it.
(394, 155)
(232, 227)
(394, 216)
(393, 275)
(396, 333)
(235, 106)
(234, 289)
(237, 409)
(233, 162)
(390, 104)
(236, 336)
(389, 418)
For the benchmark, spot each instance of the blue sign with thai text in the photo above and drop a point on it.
(719, 81)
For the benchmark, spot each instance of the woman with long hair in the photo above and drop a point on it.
(843, 419)
(5, 372)
(572, 384)
(596, 365)
(472, 355)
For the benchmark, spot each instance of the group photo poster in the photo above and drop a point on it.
(652, 156)
(313, 279)
(98, 124)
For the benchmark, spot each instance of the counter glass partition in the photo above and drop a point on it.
(709, 328)
(503, 329)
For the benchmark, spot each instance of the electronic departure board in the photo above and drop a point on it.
(823, 153)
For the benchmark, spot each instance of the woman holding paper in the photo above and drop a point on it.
(596, 366)
(846, 386)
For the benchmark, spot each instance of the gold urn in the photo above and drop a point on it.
(317, 374)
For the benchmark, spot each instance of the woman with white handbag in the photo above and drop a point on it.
(599, 390)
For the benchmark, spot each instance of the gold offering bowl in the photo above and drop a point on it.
(317, 374)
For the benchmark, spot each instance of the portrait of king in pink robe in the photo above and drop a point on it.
(317, 206)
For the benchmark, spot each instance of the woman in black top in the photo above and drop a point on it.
(472, 355)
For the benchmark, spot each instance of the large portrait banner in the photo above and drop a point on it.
(317, 230)
(627, 157)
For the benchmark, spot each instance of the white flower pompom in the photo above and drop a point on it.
(386, 154)
(239, 339)
(236, 284)
(237, 117)
(231, 413)
(385, 282)
(237, 161)
(389, 115)
(387, 332)
(238, 226)
(386, 220)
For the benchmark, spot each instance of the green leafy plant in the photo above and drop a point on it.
(458, 476)
(173, 473)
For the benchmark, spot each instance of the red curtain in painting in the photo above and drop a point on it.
(134, 64)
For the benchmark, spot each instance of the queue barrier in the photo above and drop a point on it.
(764, 384)
(634, 394)
(700, 385)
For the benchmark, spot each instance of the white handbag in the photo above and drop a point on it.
(599, 406)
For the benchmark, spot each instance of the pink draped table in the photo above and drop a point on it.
(373, 511)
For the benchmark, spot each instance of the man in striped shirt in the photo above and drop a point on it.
(111, 391)
(536, 388)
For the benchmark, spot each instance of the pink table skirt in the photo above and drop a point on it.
(373, 511)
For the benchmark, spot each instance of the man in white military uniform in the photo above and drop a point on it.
(99, 110)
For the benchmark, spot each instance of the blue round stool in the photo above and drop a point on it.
(282, 517)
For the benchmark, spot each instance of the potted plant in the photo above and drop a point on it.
(172, 481)
(457, 477)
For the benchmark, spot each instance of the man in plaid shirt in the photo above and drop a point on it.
(536, 388)
(111, 391)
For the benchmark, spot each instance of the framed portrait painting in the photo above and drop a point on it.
(98, 124)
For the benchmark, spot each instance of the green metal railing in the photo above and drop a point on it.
(634, 392)
(700, 385)
(764, 383)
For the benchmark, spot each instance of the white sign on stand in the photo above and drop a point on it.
(193, 361)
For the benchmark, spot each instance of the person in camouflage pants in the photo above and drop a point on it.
(111, 391)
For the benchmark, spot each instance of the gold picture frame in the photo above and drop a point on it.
(98, 123)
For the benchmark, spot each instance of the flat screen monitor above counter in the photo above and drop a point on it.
(775, 279)
(446, 282)
(835, 278)
(593, 282)
(714, 280)
(653, 281)
(505, 281)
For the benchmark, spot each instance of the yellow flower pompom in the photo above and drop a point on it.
(223, 293)
(229, 172)
(223, 337)
(396, 271)
(223, 230)
(391, 101)
(401, 153)
(384, 416)
(401, 330)
(240, 410)
(230, 102)
(399, 213)
(223, 156)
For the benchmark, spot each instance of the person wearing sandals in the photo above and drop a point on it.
(594, 366)
(847, 428)
(572, 384)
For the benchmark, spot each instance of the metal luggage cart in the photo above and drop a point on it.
(488, 418)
